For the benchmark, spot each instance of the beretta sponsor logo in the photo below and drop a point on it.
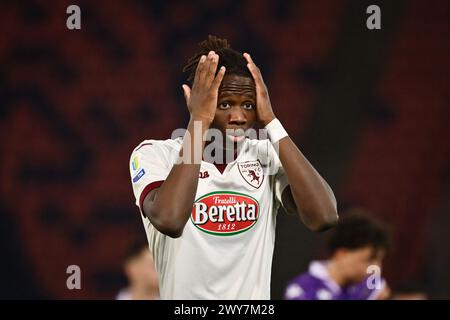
(225, 213)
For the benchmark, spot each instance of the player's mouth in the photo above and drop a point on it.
(235, 135)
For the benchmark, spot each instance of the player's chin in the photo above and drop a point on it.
(358, 278)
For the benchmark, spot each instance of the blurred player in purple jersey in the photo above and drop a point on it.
(139, 269)
(357, 247)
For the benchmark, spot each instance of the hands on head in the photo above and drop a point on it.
(202, 98)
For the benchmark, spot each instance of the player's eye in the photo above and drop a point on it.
(248, 106)
(224, 105)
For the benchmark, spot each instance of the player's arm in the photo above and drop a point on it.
(307, 194)
(170, 206)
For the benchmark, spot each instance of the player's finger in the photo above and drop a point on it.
(200, 66)
(254, 70)
(205, 70)
(218, 79)
(212, 69)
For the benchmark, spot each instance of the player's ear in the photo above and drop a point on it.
(127, 269)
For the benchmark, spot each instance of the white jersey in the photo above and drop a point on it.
(225, 251)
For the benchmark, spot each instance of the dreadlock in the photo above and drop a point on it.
(233, 61)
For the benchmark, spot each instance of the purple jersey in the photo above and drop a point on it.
(316, 284)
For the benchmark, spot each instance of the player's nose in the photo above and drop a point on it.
(237, 116)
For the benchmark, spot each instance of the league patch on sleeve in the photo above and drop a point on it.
(135, 162)
(139, 175)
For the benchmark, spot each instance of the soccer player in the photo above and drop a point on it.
(139, 268)
(210, 223)
(353, 272)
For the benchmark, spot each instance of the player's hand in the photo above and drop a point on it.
(201, 100)
(264, 110)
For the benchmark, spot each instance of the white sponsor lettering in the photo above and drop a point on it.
(216, 213)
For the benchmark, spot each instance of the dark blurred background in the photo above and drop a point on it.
(369, 108)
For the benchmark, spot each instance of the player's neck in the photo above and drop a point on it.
(221, 153)
(336, 274)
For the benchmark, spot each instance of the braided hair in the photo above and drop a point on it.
(233, 61)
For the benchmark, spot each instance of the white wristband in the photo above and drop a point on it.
(275, 130)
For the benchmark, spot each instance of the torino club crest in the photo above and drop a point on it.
(252, 172)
